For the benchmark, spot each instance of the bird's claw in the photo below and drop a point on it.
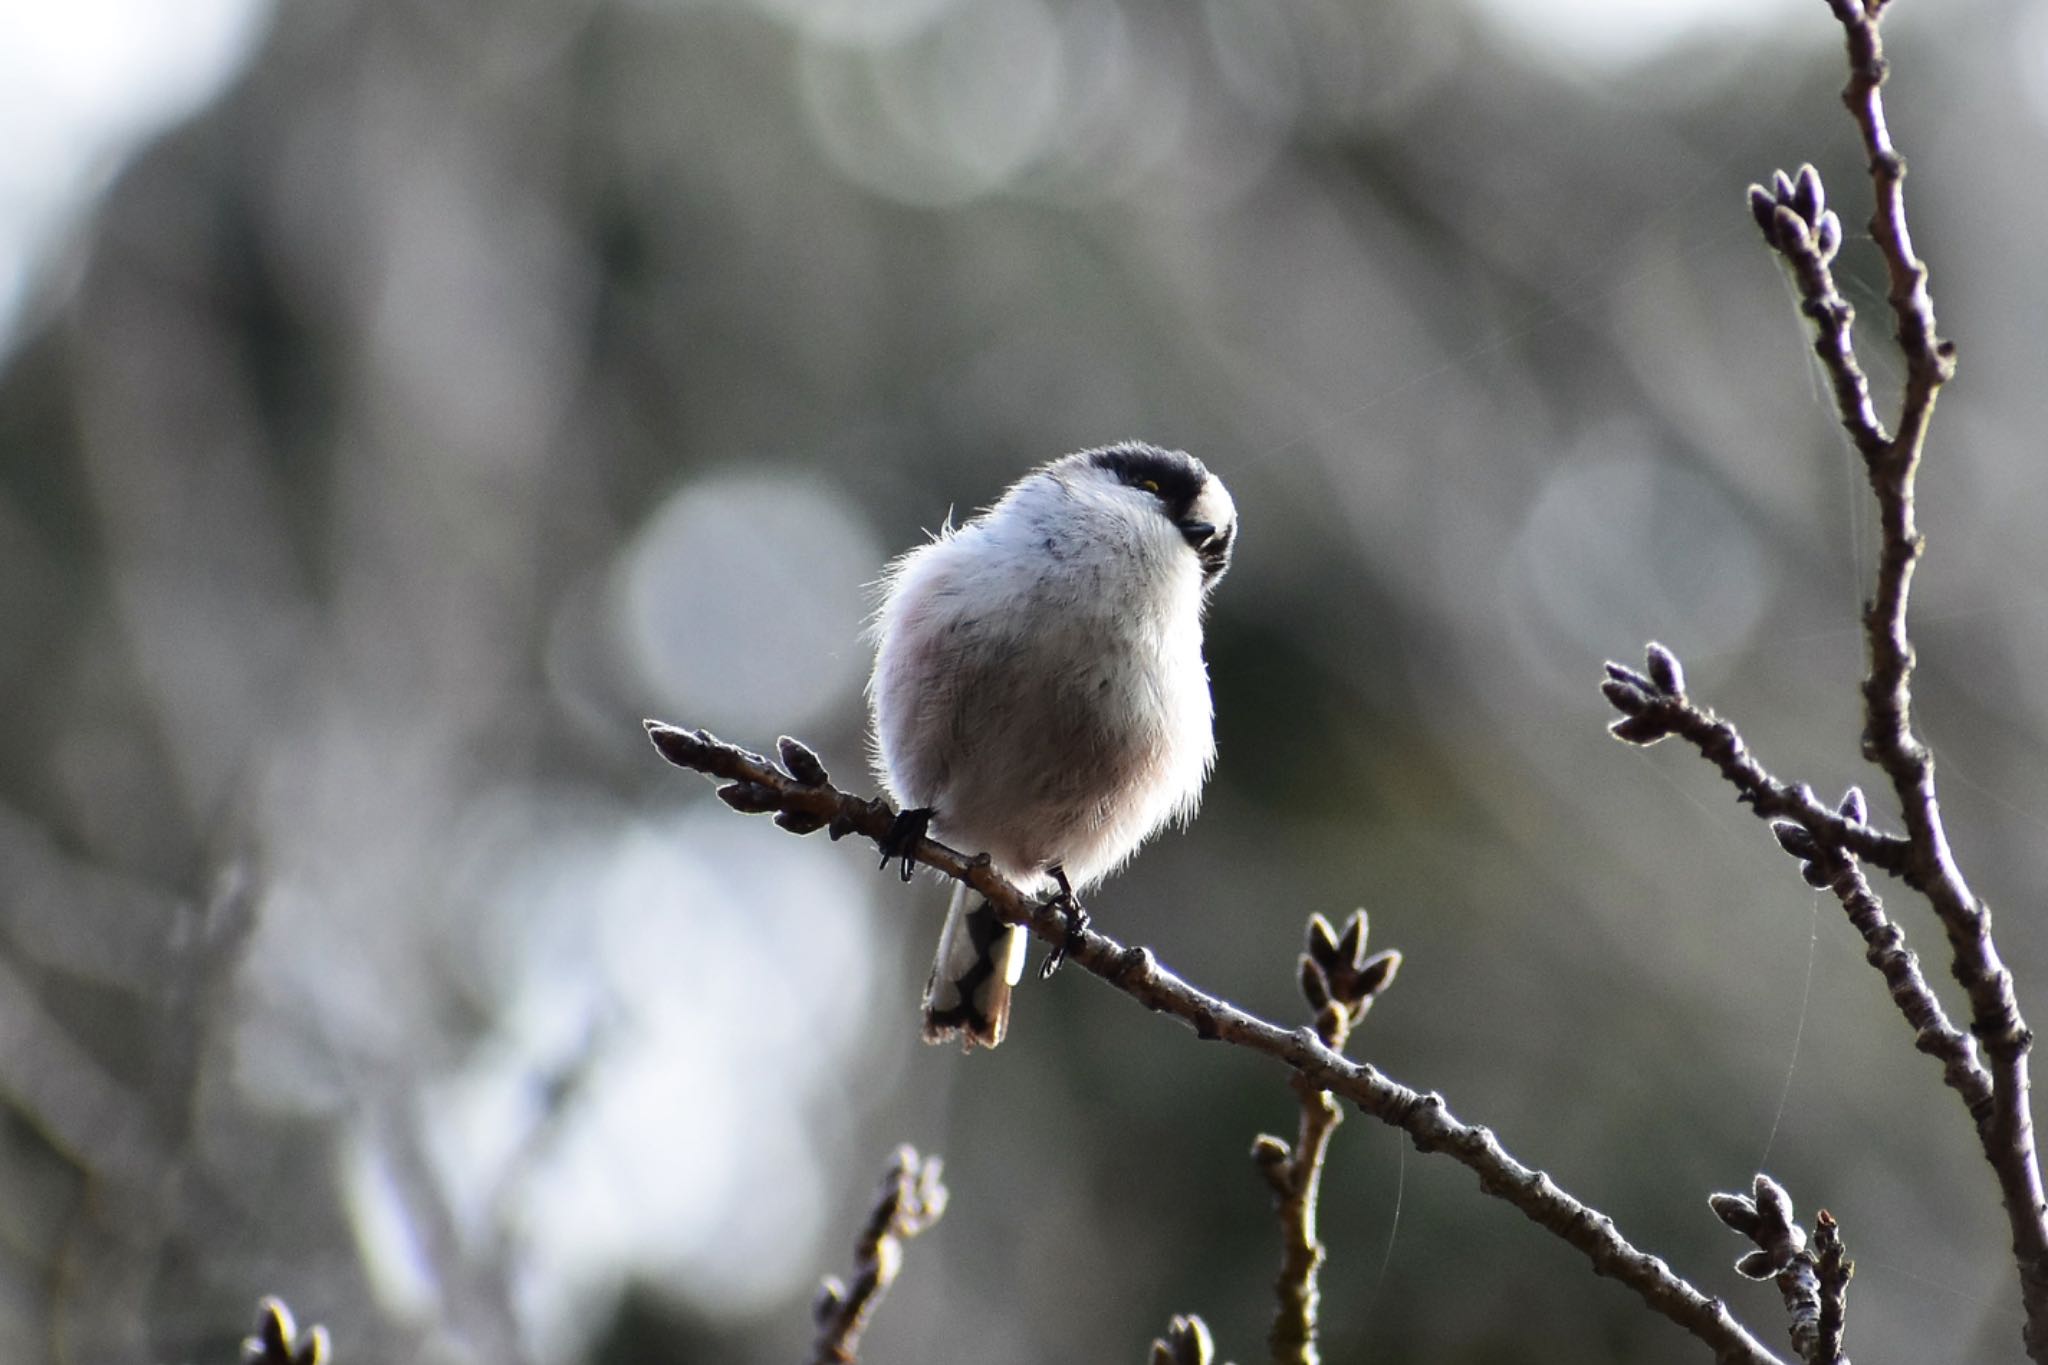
(1069, 905)
(904, 833)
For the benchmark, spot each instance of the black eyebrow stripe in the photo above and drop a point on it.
(1180, 476)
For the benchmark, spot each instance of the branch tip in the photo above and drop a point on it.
(1757, 1265)
(799, 822)
(1351, 947)
(1665, 670)
(1620, 673)
(1808, 198)
(1322, 938)
(1795, 838)
(1627, 698)
(801, 763)
(1640, 730)
(1773, 1201)
(278, 1341)
(1738, 1211)
(1187, 1342)
(1315, 987)
(911, 1199)
(1379, 972)
(750, 798)
(1812, 1274)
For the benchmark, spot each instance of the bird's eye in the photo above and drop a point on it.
(1149, 485)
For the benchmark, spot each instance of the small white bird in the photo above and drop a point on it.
(1039, 692)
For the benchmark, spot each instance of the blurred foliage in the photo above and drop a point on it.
(474, 379)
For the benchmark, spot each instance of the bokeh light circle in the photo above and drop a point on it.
(740, 602)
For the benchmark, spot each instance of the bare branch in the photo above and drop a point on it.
(1812, 1277)
(1829, 842)
(1835, 1268)
(1930, 360)
(761, 787)
(1885, 949)
(911, 1199)
(1187, 1342)
(1340, 983)
(1888, 738)
(1794, 221)
(1652, 712)
(278, 1341)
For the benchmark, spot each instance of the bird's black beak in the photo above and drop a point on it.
(1211, 546)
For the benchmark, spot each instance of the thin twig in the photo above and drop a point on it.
(1834, 1267)
(1885, 949)
(758, 786)
(911, 1199)
(1888, 738)
(1654, 706)
(1795, 222)
(1826, 840)
(278, 1341)
(1340, 983)
(1296, 1175)
(1930, 360)
(1812, 1275)
(1187, 1342)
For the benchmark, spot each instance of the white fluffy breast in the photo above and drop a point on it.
(1039, 679)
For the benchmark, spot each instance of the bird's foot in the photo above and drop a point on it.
(909, 827)
(1069, 905)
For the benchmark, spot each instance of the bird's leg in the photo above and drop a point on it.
(1069, 905)
(908, 827)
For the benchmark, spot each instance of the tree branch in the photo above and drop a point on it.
(278, 1341)
(1888, 738)
(803, 799)
(911, 1199)
(1826, 841)
(1654, 706)
(1795, 222)
(1340, 984)
(1187, 1342)
(1812, 1276)
(1834, 1267)
(1930, 360)
(1885, 949)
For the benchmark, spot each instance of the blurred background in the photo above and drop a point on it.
(401, 400)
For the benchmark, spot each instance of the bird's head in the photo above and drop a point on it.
(1171, 484)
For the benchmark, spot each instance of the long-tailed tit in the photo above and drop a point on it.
(1039, 692)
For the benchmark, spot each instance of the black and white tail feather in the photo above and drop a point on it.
(980, 959)
(1039, 687)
